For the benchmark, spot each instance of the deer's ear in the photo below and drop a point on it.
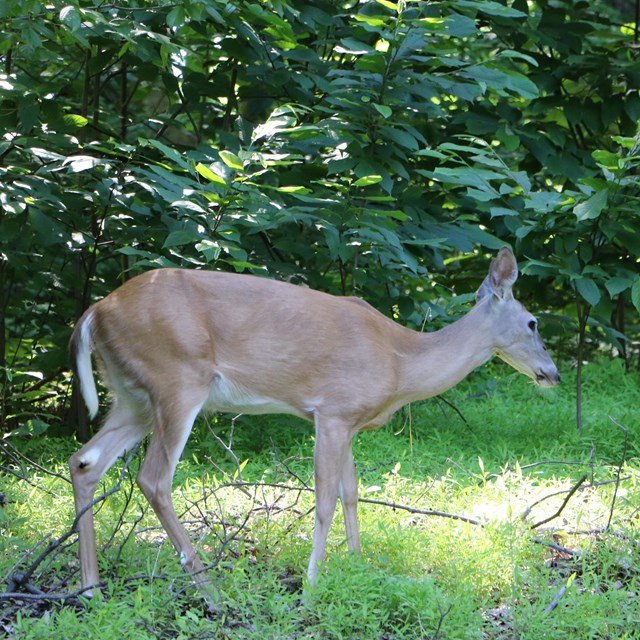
(503, 273)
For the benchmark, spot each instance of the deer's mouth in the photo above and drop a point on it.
(547, 378)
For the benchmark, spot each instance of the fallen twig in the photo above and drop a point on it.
(16, 456)
(383, 503)
(540, 463)
(557, 598)
(16, 595)
(73, 596)
(618, 470)
(568, 497)
(563, 589)
(556, 547)
(40, 596)
(422, 512)
(591, 485)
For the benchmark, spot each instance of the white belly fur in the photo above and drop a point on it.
(229, 397)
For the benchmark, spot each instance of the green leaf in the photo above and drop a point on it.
(539, 268)
(383, 110)
(389, 5)
(543, 200)
(177, 16)
(372, 21)
(75, 120)
(498, 212)
(592, 208)
(460, 26)
(180, 237)
(210, 249)
(469, 176)
(365, 181)
(519, 56)
(606, 158)
(28, 112)
(491, 8)
(231, 160)
(70, 16)
(166, 151)
(386, 213)
(617, 285)
(78, 164)
(31, 37)
(31, 428)
(501, 81)
(432, 153)
(625, 142)
(354, 47)
(401, 137)
(290, 188)
(433, 23)
(243, 265)
(210, 175)
(589, 290)
(635, 293)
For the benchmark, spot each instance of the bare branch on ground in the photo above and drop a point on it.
(568, 497)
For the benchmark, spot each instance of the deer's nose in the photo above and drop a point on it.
(548, 378)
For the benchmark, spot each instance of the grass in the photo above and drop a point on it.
(509, 465)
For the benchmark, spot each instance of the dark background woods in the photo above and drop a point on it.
(369, 148)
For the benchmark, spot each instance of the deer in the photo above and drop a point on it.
(173, 343)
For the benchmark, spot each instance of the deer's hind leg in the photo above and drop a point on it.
(124, 428)
(173, 424)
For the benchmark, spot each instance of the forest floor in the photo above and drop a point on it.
(484, 514)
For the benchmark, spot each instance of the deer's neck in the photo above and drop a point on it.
(441, 359)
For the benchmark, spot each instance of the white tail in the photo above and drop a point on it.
(174, 342)
(81, 360)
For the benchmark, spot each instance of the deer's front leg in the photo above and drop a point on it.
(348, 491)
(332, 453)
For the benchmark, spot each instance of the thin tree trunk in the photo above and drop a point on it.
(583, 317)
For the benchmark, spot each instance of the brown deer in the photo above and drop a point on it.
(174, 342)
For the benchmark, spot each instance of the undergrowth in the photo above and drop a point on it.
(485, 515)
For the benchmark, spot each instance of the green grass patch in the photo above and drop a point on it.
(548, 547)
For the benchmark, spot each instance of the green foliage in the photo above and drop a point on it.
(360, 150)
